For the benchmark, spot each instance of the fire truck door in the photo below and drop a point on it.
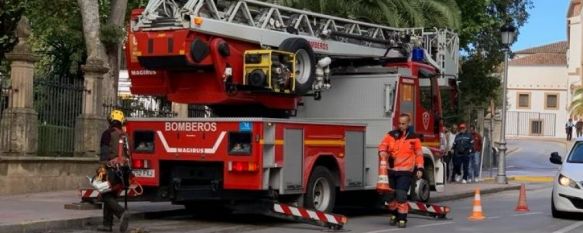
(293, 154)
(407, 98)
(354, 160)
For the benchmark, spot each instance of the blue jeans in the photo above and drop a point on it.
(475, 165)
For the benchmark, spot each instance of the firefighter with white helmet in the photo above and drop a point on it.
(116, 174)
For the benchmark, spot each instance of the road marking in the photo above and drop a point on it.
(434, 224)
(526, 214)
(388, 230)
(419, 226)
(569, 228)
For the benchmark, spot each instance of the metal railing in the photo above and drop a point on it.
(6, 118)
(58, 104)
(531, 124)
(141, 106)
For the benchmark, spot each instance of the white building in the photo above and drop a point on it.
(575, 51)
(538, 91)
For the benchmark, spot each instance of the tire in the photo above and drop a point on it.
(556, 213)
(305, 63)
(321, 192)
(420, 191)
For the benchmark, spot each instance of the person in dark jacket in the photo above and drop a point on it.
(109, 153)
(462, 147)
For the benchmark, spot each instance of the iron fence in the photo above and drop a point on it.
(58, 104)
(530, 124)
(141, 106)
(6, 118)
(199, 111)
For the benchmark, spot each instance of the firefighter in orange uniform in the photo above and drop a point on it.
(403, 149)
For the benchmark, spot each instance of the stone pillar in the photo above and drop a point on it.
(181, 110)
(20, 120)
(91, 123)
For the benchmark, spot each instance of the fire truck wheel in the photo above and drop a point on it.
(305, 63)
(420, 191)
(321, 192)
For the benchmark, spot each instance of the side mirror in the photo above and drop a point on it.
(556, 158)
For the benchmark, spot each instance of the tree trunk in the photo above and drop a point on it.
(91, 29)
(116, 18)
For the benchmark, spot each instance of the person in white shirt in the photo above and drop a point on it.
(569, 129)
(449, 150)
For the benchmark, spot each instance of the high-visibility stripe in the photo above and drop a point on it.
(311, 142)
(431, 144)
(324, 143)
(277, 142)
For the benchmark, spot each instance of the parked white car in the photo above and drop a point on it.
(567, 197)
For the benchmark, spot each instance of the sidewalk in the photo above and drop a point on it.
(43, 212)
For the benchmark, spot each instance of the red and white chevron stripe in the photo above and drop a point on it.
(89, 193)
(428, 208)
(310, 214)
(133, 190)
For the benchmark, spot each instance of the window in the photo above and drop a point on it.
(144, 141)
(239, 143)
(536, 127)
(523, 100)
(576, 155)
(389, 98)
(551, 101)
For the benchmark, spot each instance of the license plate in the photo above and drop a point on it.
(148, 173)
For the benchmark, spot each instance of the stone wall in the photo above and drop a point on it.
(43, 174)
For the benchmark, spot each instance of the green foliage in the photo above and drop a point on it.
(57, 33)
(111, 35)
(10, 13)
(483, 55)
(57, 37)
(576, 105)
(396, 13)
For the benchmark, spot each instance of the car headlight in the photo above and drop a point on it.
(567, 182)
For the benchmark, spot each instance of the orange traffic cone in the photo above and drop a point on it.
(383, 180)
(522, 206)
(477, 214)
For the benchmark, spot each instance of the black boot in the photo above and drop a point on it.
(392, 220)
(402, 224)
(401, 220)
(104, 228)
(124, 222)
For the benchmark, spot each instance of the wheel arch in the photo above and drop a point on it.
(329, 162)
(429, 167)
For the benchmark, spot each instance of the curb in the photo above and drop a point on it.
(51, 226)
(534, 179)
(471, 193)
(489, 180)
(512, 151)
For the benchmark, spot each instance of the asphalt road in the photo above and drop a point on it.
(531, 157)
(498, 208)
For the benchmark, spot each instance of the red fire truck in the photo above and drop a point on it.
(300, 101)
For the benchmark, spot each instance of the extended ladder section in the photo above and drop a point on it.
(270, 24)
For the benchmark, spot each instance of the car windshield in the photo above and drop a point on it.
(576, 155)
